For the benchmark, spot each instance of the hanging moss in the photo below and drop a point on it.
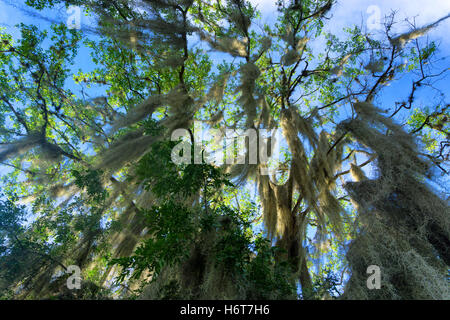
(398, 217)
(232, 46)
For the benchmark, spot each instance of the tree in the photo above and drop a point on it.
(106, 195)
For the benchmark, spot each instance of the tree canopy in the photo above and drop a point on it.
(89, 150)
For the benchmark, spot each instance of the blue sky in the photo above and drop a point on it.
(345, 14)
